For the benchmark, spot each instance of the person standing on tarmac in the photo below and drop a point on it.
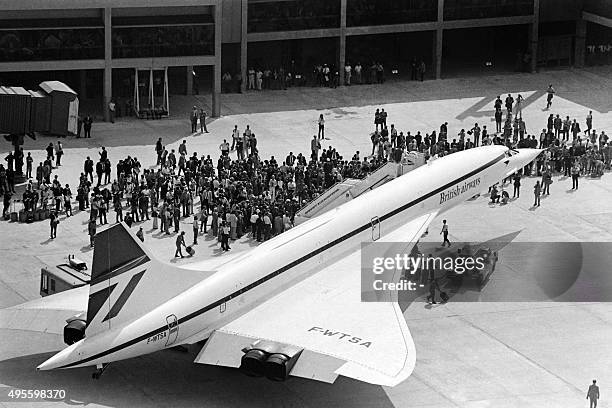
(53, 221)
(517, 185)
(575, 175)
(593, 394)
(196, 229)
(203, 121)
(91, 228)
(537, 189)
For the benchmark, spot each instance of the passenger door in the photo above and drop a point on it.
(375, 224)
(173, 329)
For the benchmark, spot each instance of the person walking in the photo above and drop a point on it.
(180, 242)
(550, 93)
(444, 232)
(593, 394)
(537, 189)
(589, 122)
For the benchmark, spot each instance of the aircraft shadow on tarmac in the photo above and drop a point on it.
(170, 378)
(524, 272)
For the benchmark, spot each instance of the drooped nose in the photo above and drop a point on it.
(526, 156)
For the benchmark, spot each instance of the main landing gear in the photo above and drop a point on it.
(99, 370)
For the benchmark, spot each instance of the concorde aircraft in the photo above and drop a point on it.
(289, 307)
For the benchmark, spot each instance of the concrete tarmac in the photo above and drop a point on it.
(469, 354)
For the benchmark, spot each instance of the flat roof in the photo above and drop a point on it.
(90, 4)
(53, 86)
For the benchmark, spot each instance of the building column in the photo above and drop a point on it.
(439, 37)
(216, 85)
(244, 44)
(342, 41)
(189, 78)
(438, 53)
(534, 35)
(82, 84)
(108, 68)
(580, 43)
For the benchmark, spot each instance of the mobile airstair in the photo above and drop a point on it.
(348, 189)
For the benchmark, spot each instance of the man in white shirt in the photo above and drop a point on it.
(224, 147)
(235, 136)
(347, 74)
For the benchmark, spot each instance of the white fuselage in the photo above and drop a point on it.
(256, 276)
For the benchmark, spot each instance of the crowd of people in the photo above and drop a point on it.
(565, 145)
(228, 197)
(322, 74)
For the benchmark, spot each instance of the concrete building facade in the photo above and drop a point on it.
(187, 45)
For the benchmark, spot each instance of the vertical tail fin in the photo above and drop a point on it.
(127, 281)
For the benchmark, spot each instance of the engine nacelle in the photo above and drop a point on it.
(252, 363)
(74, 331)
(272, 360)
(278, 366)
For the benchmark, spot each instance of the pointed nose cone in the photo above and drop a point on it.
(59, 360)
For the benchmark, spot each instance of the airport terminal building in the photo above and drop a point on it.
(141, 51)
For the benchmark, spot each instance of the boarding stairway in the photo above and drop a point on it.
(348, 189)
